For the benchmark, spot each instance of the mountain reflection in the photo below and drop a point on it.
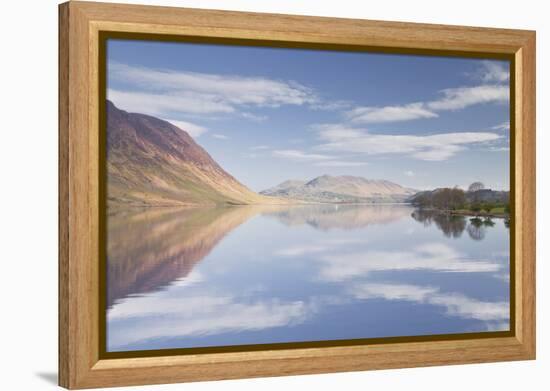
(325, 217)
(148, 249)
(292, 273)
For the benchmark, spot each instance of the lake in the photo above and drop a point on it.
(198, 277)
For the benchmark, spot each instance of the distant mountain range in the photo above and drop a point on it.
(152, 162)
(341, 189)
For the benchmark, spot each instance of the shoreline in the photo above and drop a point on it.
(468, 213)
(229, 204)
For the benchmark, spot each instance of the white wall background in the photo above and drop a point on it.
(28, 195)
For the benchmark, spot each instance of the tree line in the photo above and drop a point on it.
(457, 199)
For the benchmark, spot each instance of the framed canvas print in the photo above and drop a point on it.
(247, 195)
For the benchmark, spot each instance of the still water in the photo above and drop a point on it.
(179, 278)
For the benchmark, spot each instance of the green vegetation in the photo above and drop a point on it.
(476, 201)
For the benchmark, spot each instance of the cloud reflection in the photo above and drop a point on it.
(160, 294)
(436, 257)
(137, 320)
(456, 304)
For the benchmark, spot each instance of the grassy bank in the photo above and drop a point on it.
(499, 212)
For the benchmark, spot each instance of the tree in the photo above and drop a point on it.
(476, 186)
(457, 198)
(487, 207)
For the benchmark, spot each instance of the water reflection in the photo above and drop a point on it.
(452, 226)
(264, 274)
(325, 217)
(149, 248)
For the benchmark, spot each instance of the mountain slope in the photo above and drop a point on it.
(341, 189)
(152, 162)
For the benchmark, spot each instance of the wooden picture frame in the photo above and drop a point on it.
(80, 27)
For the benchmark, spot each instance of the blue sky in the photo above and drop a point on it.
(268, 115)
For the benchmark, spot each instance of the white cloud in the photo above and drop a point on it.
(433, 147)
(164, 104)
(297, 155)
(464, 307)
(443, 152)
(389, 113)
(193, 130)
(336, 132)
(340, 163)
(254, 117)
(220, 136)
(499, 149)
(492, 71)
(259, 147)
(462, 97)
(502, 126)
(393, 291)
(409, 173)
(193, 92)
(331, 106)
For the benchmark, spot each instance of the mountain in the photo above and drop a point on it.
(341, 189)
(152, 162)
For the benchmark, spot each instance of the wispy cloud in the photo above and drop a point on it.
(492, 72)
(462, 97)
(389, 113)
(192, 129)
(502, 126)
(220, 136)
(254, 117)
(409, 173)
(434, 147)
(259, 147)
(331, 106)
(316, 159)
(156, 91)
(499, 149)
(164, 104)
(340, 163)
(298, 155)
